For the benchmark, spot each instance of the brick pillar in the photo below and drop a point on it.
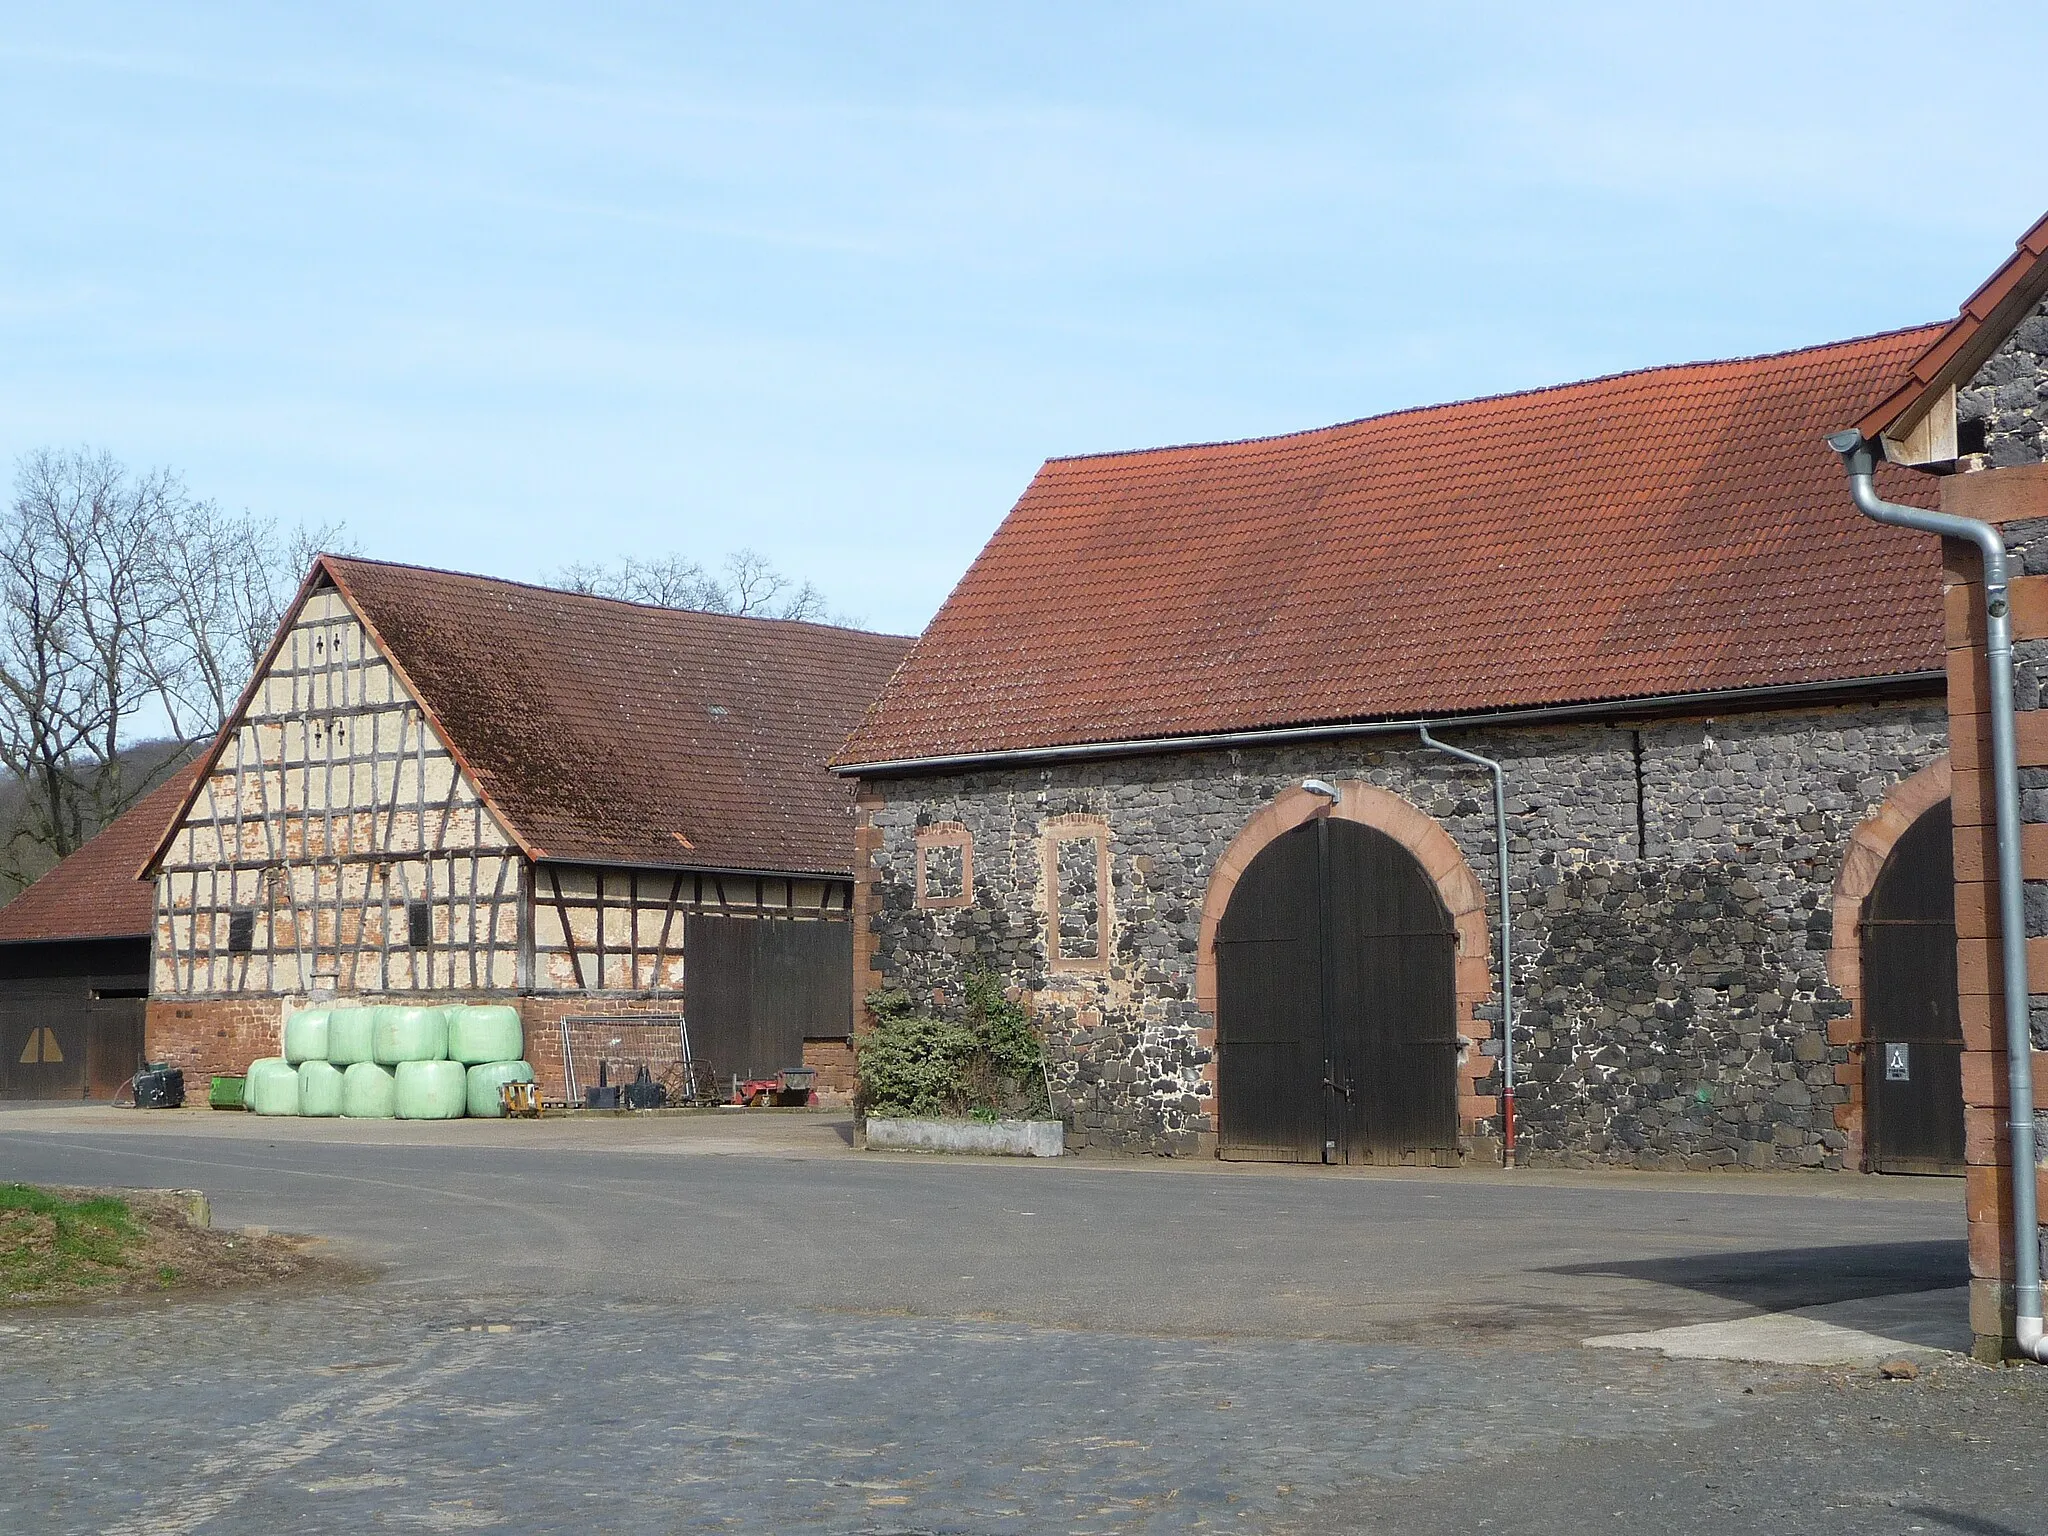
(2016, 500)
(867, 841)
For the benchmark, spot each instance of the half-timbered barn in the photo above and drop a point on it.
(1172, 759)
(454, 788)
(74, 962)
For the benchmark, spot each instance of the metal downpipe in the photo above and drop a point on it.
(1507, 988)
(1860, 458)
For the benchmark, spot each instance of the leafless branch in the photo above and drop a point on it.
(746, 585)
(124, 603)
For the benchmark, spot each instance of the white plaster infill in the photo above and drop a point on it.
(989, 1138)
(1867, 1332)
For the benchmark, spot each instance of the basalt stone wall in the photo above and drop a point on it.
(1671, 912)
(2009, 395)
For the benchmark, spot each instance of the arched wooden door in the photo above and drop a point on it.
(1336, 972)
(1913, 1045)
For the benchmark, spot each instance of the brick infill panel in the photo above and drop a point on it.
(212, 1036)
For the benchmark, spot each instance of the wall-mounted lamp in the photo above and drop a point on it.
(1322, 787)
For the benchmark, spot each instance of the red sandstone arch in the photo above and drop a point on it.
(1440, 858)
(1862, 861)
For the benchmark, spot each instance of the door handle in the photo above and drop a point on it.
(1344, 1088)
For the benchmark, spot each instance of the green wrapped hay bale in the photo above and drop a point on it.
(409, 1034)
(305, 1036)
(369, 1092)
(319, 1088)
(478, 1035)
(432, 1090)
(486, 1078)
(348, 1035)
(272, 1087)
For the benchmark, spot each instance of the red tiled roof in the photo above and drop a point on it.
(1675, 530)
(95, 894)
(1961, 347)
(613, 732)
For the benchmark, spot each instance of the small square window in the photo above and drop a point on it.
(241, 930)
(419, 924)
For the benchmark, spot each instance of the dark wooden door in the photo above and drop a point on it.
(43, 1046)
(1913, 1047)
(1336, 1004)
(757, 988)
(113, 1044)
(1392, 989)
(1269, 1011)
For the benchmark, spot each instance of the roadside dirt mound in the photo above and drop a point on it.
(64, 1245)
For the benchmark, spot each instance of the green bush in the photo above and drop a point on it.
(985, 1061)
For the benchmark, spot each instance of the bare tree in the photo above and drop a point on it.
(125, 604)
(754, 586)
(747, 585)
(668, 581)
(76, 606)
(226, 579)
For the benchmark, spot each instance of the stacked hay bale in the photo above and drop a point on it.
(380, 1063)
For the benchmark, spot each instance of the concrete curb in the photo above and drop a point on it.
(1000, 1138)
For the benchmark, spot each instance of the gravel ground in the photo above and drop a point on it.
(645, 1335)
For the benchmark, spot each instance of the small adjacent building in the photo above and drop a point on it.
(1160, 761)
(449, 788)
(74, 962)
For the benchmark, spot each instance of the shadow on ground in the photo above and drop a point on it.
(1779, 1279)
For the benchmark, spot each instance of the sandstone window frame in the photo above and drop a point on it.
(1076, 828)
(945, 834)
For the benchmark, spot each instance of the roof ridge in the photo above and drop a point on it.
(598, 597)
(1535, 392)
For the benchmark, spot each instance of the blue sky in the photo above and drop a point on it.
(508, 286)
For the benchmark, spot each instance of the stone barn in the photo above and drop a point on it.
(450, 788)
(1161, 761)
(74, 962)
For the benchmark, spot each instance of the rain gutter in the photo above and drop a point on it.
(1859, 457)
(1552, 714)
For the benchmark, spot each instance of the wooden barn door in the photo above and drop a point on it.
(1393, 959)
(1336, 1005)
(1269, 1006)
(757, 988)
(1913, 1046)
(113, 1044)
(42, 1042)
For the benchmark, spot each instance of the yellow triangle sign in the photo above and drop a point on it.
(41, 1047)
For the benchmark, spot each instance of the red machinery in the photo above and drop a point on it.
(790, 1088)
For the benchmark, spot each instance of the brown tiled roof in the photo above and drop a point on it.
(95, 894)
(612, 732)
(1670, 531)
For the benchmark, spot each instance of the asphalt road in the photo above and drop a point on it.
(694, 1324)
(696, 1212)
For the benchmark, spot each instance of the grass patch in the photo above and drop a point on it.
(49, 1243)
